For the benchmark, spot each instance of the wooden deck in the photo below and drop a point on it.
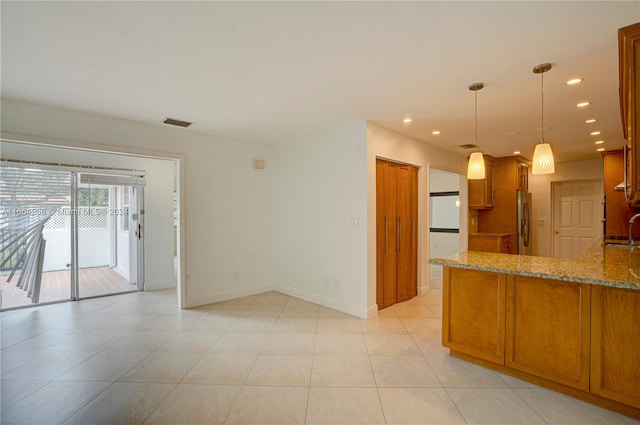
(56, 286)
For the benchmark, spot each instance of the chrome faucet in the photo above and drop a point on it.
(631, 241)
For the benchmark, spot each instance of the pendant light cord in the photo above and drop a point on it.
(542, 103)
(476, 103)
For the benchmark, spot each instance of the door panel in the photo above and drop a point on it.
(396, 232)
(390, 187)
(381, 235)
(107, 245)
(403, 243)
(577, 217)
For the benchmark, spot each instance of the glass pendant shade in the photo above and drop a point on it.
(543, 162)
(475, 169)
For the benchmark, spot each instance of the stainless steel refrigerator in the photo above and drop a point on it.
(523, 224)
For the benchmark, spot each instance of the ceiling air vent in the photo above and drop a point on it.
(468, 146)
(179, 123)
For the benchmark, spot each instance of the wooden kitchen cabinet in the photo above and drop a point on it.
(615, 361)
(577, 338)
(629, 64)
(617, 212)
(508, 177)
(481, 195)
(547, 329)
(522, 175)
(473, 313)
(500, 243)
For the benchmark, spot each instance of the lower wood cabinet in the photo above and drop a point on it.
(547, 326)
(473, 313)
(490, 243)
(576, 338)
(615, 348)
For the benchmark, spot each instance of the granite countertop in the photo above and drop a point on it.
(490, 234)
(617, 266)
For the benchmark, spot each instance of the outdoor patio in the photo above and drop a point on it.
(56, 286)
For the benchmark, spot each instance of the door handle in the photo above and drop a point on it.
(413, 233)
(139, 231)
(557, 232)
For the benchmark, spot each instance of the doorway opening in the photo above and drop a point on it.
(64, 237)
(446, 229)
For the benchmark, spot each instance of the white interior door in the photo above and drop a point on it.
(577, 217)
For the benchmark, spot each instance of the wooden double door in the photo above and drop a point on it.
(396, 232)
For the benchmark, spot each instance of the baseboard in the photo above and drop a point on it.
(155, 286)
(342, 306)
(372, 311)
(423, 290)
(227, 295)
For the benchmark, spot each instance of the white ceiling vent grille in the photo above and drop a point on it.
(179, 123)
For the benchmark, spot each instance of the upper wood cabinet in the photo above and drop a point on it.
(522, 173)
(481, 194)
(510, 174)
(629, 62)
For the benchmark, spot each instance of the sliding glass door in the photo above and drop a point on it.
(67, 235)
(35, 235)
(109, 238)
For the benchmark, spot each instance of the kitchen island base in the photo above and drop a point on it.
(576, 338)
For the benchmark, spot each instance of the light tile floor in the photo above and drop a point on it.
(265, 359)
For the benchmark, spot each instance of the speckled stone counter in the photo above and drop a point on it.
(615, 266)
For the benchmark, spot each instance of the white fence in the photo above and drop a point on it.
(94, 242)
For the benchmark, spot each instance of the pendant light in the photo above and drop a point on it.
(543, 162)
(475, 168)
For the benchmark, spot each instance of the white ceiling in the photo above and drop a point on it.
(275, 72)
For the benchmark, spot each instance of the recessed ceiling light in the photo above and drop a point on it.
(407, 120)
(516, 152)
(435, 132)
(595, 133)
(583, 104)
(590, 121)
(599, 142)
(574, 81)
(600, 149)
(512, 133)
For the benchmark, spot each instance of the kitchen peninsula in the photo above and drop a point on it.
(569, 325)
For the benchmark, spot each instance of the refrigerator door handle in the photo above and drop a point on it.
(525, 227)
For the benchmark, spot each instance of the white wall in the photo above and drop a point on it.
(383, 143)
(227, 204)
(321, 219)
(540, 188)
